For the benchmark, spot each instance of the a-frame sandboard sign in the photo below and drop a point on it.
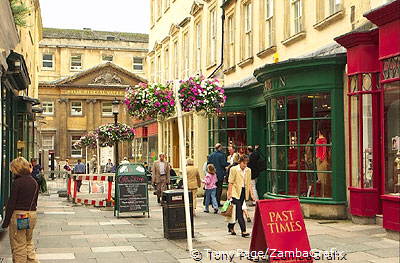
(279, 231)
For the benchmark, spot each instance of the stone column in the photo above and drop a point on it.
(62, 135)
(90, 115)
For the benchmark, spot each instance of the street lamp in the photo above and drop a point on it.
(115, 111)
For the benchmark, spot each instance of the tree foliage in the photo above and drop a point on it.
(20, 11)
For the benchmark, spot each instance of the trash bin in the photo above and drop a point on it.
(174, 219)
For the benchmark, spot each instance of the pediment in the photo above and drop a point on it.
(173, 29)
(107, 74)
(196, 8)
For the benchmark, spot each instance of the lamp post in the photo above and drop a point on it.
(115, 110)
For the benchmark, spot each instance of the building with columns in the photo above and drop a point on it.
(78, 104)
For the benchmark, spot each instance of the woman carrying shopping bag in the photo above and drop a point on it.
(239, 190)
(21, 214)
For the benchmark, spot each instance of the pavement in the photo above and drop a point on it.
(77, 233)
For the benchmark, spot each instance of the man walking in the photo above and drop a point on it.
(79, 168)
(219, 160)
(254, 157)
(161, 175)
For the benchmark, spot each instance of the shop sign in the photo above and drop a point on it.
(92, 92)
(279, 231)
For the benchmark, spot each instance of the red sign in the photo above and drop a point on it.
(279, 231)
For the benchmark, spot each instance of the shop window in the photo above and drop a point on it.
(76, 62)
(48, 142)
(228, 129)
(47, 61)
(299, 145)
(75, 152)
(48, 108)
(362, 90)
(391, 111)
(138, 64)
(106, 109)
(76, 108)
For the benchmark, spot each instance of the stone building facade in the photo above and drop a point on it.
(78, 104)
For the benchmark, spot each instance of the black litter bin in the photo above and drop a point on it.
(174, 220)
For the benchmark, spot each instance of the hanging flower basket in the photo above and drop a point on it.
(89, 140)
(150, 101)
(111, 133)
(201, 95)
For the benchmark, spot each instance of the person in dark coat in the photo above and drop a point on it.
(219, 160)
(254, 157)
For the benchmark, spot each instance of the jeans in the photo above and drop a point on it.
(211, 198)
(219, 190)
(239, 212)
(253, 185)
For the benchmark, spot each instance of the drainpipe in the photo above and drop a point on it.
(222, 44)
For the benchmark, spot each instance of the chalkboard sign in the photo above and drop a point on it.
(131, 189)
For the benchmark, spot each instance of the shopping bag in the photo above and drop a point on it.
(228, 211)
(225, 206)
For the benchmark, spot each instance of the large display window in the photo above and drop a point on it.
(228, 128)
(391, 111)
(299, 145)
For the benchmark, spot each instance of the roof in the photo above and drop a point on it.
(242, 83)
(90, 70)
(88, 34)
(331, 49)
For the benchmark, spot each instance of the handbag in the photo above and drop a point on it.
(23, 220)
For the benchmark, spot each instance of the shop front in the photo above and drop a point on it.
(304, 133)
(242, 122)
(145, 144)
(374, 117)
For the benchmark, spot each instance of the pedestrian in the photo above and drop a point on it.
(219, 160)
(210, 181)
(160, 176)
(125, 161)
(233, 155)
(36, 173)
(21, 216)
(79, 168)
(109, 167)
(194, 182)
(239, 189)
(254, 157)
(93, 164)
(67, 167)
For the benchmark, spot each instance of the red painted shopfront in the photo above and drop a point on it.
(373, 69)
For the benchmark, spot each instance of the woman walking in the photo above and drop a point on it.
(194, 181)
(21, 214)
(210, 184)
(239, 190)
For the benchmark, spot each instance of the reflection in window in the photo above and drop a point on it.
(299, 145)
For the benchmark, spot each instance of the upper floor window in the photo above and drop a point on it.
(269, 23)
(152, 11)
(48, 108)
(137, 64)
(166, 64)
(47, 142)
(159, 8)
(106, 109)
(176, 56)
(326, 8)
(230, 46)
(76, 108)
(198, 47)
(47, 61)
(186, 54)
(247, 51)
(107, 58)
(166, 4)
(297, 14)
(152, 71)
(76, 62)
(213, 37)
(158, 73)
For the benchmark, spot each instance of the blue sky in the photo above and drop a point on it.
(108, 15)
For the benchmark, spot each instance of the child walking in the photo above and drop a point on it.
(210, 181)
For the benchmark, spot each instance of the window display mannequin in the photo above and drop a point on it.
(321, 154)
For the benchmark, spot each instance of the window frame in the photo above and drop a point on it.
(72, 149)
(198, 45)
(46, 106)
(137, 64)
(176, 56)
(76, 68)
(47, 61)
(297, 17)
(106, 114)
(186, 54)
(72, 111)
(52, 141)
(269, 24)
(212, 29)
(247, 30)
(105, 60)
